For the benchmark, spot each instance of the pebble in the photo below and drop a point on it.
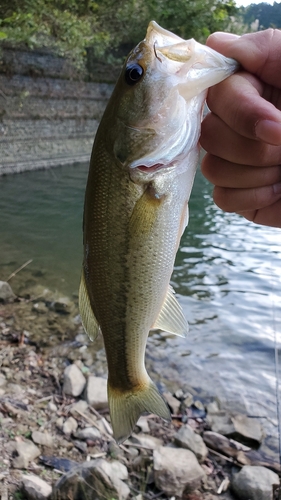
(94, 476)
(59, 423)
(254, 483)
(3, 381)
(43, 438)
(187, 438)
(176, 470)
(36, 488)
(96, 392)
(6, 293)
(69, 426)
(173, 402)
(26, 452)
(88, 433)
(52, 407)
(74, 381)
(142, 423)
(40, 308)
(238, 426)
(80, 406)
(149, 442)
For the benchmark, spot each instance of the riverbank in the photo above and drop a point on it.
(55, 422)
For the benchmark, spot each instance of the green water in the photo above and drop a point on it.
(227, 276)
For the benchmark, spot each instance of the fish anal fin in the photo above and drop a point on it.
(126, 408)
(88, 318)
(171, 318)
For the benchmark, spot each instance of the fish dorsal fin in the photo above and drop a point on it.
(88, 318)
(171, 318)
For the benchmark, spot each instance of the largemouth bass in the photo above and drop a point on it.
(136, 208)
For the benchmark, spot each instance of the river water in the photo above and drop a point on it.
(227, 277)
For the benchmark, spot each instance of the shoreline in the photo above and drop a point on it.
(41, 338)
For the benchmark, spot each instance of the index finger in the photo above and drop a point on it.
(258, 53)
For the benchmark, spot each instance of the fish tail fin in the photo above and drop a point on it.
(127, 407)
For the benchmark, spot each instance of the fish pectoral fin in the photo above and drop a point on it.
(171, 318)
(87, 316)
(126, 408)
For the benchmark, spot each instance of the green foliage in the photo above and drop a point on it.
(268, 16)
(69, 27)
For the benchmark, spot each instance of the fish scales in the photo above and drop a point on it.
(136, 207)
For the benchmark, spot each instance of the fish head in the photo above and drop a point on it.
(157, 102)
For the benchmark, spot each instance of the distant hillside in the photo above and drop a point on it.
(268, 16)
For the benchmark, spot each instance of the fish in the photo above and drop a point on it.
(140, 178)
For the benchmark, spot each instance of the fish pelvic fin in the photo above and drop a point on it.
(88, 318)
(127, 407)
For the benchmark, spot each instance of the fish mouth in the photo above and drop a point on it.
(152, 168)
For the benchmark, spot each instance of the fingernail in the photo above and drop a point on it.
(221, 35)
(269, 131)
(277, 188)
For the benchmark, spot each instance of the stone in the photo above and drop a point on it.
(173, 403)
(176, 470)
(36, 488)
(26, 451)
(91, 480)
(42, 438)
(70, 425)
(6, 293)
(63, 305)
(74, 381)
(239, 426)
(96, 392)
(80, 406)
(3, 381)
(187, 438)
(254, 483)
(52, 407)
(142, 423)
(40, 308)
(59, 423)
(120, 470)
(88, 433)
(149, 442)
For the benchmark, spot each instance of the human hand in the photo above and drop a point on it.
(242, 134)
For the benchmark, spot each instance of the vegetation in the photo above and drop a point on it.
(108, 27)
(262, 15)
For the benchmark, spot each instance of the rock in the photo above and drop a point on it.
(254, 483)
(91, 481)
(80, 406)
(239, 426)
(74, 381)
(42, 438)
(88, 433)
(96, 392)
(36, 488)
(115, 451)
(142, 423)
(176, 470)
(59, 423)
(52, 407)
(69, 426)
(40, 308)
(221, 443)
(6, 293)
(173, 403)
(3, 380)
(62, 305)
(120, 470)
(26, 451)
(187, 438)
(149, 442)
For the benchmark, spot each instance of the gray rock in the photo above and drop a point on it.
(96, 392)
(74, 381)
(3, 381)
(43, 438)
(149, 442)
(173, 403)
(254, 483)
(176, 470)
(187, 438)
(36, 488)
(120, 470)
(69, 426)
(52, 407)
(80, 406)
(26, 451)
(91, 481)
(238, 426)
(88, 433)
(59, 423)
(6, 293)
(142, 423)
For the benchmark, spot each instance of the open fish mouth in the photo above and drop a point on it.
(153, 168)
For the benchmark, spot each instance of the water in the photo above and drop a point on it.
(227, 276)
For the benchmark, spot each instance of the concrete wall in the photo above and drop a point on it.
(46, 121)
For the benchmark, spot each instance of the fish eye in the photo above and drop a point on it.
(133, 73)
